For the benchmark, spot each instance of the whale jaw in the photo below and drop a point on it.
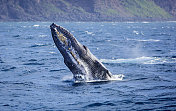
(77, 57)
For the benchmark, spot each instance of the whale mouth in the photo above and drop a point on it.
(64, 41)
(58, 35)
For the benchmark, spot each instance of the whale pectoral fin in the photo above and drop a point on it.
(104, 73)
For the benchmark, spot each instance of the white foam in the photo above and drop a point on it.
(67, 78)
(145, 22)
(89, 33)
(39, 44)
(130, 60)
(36, 25)
(141, 60)
(118, 77)
(150, 40)
(138, 22)
(108, 40)
(24, 26)
(144, 40)
(171, 21)
(52, 52)
(42, 35)
(136, 32)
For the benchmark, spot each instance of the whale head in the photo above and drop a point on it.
(77, 57)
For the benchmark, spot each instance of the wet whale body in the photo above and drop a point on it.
(77, 57)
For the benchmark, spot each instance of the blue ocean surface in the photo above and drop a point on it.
(33, 75)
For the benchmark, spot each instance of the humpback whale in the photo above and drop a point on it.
(77, 57)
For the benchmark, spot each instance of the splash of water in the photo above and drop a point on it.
(67, 78)
(116, 77)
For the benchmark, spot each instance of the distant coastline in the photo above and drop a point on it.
(88, 10)
(128, 21)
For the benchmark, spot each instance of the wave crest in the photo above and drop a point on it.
(141, 60)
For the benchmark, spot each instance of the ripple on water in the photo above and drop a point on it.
(29, 71)
(161, 34)
(97, 104)
(57, 70)
(38, 45)
(17, 83)
(43, 35)
(16, 35)
(7, 68)
(35, 63)
(1, 61)
(31, 60)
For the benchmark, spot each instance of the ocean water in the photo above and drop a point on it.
(33, 75)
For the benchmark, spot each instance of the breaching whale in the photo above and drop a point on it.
(77, 57)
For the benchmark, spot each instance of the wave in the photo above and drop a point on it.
(42, 35)
(136, 32)
(31, 60)
(7, 68)
(89, 33)
(145, 22)
(138, 22)
(171, 21)
(98, 104)
(16, 35)
(52, 52)
(38, 45)
(36, 63)
(144, 40)
(1, 61)
(36, 25)
(129, 22)
(161, 34)
(67, 78)
(141, 60)
(58, 70)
